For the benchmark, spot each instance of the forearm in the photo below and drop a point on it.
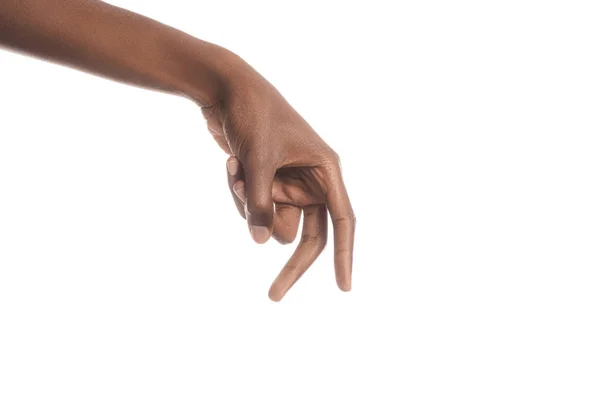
(99, 38)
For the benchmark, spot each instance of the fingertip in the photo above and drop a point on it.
(344, 283)
(260, 234)
(343, 270)
(233, 165)
(274, 296)
(282, 240)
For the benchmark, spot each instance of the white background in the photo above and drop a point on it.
(469, 136)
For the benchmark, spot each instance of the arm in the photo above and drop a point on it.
(99, 38)
(279, 167)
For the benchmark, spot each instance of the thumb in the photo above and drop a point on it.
(259, 201)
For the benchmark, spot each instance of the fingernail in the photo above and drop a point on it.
(260, 234)
(232, 166)
(239, 190)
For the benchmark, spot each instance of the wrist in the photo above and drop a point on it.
(209, 72)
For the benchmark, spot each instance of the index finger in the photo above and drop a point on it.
(344, 225)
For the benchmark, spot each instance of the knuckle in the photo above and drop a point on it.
(308, 238)
(334, 159)
(333, 165)
(317, 241)
(256, 211)
(259, 198)
(294, 269)
(347, 219)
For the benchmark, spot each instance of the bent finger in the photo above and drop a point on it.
(259, 200)
(286, 222)
(312, 243)
(235, 173)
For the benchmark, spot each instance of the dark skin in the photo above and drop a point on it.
(279, 168)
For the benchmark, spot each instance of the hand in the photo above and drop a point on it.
(277, 158)
(281, 158)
